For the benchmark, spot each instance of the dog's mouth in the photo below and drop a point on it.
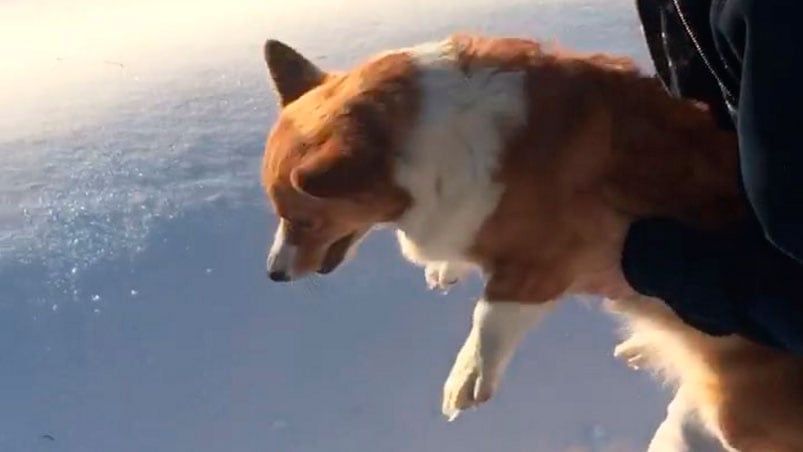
(336, 253)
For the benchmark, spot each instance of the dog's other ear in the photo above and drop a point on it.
(355, 161)
(334, 175)
(292, 74)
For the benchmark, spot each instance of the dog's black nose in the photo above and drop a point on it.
(278, 276)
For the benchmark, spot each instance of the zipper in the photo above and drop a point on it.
(696, 43)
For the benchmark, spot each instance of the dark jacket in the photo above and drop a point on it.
(745, 59)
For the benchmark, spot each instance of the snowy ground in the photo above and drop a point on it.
(134, 312)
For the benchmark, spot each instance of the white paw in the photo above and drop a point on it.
(443, 275)
(469, 384)
(632, 352)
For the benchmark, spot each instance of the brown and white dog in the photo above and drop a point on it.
(528, 164)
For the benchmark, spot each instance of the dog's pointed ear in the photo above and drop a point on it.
(292, 74)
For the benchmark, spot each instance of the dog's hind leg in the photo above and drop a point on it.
(682, 430)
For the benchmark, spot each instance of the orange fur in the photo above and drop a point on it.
(602, 146)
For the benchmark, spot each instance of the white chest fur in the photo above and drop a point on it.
(450, 161)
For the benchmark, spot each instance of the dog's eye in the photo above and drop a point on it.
(301, 223)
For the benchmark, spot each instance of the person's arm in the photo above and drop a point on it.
(737, 281)
(729, 282)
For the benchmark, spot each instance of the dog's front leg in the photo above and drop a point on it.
(497, 329)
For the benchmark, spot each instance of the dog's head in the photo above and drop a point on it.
(328, 167)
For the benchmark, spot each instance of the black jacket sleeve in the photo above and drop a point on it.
(747, 280)
(768, 35)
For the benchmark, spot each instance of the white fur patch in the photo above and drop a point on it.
(454, 151)
(282, 254)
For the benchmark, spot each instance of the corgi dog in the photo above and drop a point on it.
(526, 163)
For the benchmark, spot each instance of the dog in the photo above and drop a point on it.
(527, 163)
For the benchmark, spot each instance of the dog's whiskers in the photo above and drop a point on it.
(311, 286)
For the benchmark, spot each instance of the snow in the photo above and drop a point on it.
(134, 311)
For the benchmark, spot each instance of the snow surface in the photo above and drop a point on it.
(134, 311)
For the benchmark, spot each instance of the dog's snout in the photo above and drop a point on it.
(278, 276)
(281, 257)
(276, 269)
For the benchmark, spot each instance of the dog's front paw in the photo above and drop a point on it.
(470, 383)
(443, 275)
(632, 352)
